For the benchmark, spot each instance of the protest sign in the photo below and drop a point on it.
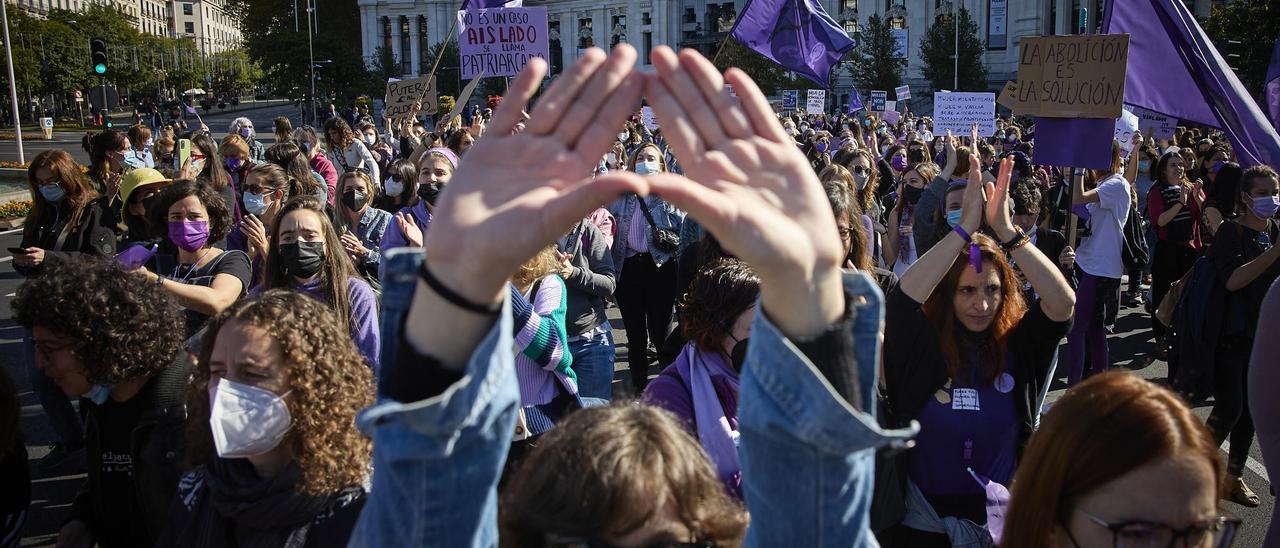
(958, 111)
(1152, 123)
(902, 92)
(648, 118)
(1075, 142)
(890, 106)
(1009, 95)
(465, 96)
(855, 102)
(500, 41)
(402, 94)
(1126, 125)
(790, 99)
(878, 100)
(891, 116)
(1078, 76)
(817, 101)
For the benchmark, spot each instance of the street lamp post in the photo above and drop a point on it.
(13, 86)
(311, 56)
(955, 86)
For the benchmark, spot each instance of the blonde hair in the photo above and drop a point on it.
(233, 144)
(536, 268)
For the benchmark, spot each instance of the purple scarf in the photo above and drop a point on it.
(716, 432)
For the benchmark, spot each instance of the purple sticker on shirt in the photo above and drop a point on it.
(1004, 383)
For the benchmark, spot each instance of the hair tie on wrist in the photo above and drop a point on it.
(454, 298)
(975, 252)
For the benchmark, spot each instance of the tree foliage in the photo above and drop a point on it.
(1256, 27)
(874, 66)
(938, 47)
(771, 77)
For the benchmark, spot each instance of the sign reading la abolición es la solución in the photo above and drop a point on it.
(500, 41)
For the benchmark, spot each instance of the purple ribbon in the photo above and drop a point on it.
(975, 252)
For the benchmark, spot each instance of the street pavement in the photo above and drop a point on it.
(52, 495)
(218, 123)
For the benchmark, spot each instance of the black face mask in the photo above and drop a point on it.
(302, 259)
(354, 200)
(738, 355)
(912, 194)
(150, 201)
(915, 155)
(429, 192)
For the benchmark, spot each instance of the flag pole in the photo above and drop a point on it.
(720, 48)
(453, 26)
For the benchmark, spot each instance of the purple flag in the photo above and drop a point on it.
(484, 4)
(1175, 70)
(190, 109)
(855, 101)
(1271, 90)
(1074, 142)
(796, 34)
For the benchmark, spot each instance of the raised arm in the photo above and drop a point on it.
(1057, 299)
(919, 281)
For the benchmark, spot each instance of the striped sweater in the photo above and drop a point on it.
(543, 357)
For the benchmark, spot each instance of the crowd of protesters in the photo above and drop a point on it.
(839, 330)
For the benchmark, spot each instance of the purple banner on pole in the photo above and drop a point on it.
(855, 101)
(796, 34)
(1074, 142)
(1271, 90)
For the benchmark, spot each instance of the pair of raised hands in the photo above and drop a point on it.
(744, 180)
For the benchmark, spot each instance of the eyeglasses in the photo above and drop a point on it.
(1218, 532)
(845, 232)
(859, 170)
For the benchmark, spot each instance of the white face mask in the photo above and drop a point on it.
(648, 168)
(623, 136)
(370, 140)
(611, 158)
(394, 187)
(860, 180)
(246, 420)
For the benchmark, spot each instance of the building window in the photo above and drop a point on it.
(851, 26)
(189, 27)
(690, 16)
(647, 42)
(646, 18)
(424, 45)
(386, 33)
(186, 9)
(585, 39)
(849, 5)
(898, 23)
(406, 62)
(618, 30)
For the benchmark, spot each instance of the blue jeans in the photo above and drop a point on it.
(807, 456)
(57, 406)
(593, 362)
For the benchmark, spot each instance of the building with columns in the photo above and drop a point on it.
(409, 28)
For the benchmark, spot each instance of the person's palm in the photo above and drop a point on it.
(514, 193)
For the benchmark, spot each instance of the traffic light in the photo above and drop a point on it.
(98, 56)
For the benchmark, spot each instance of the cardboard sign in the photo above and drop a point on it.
(891, 117)
(902, 92)
(878, 100)
(901, 42)
(958, 111)
(1079, 76)
(1153, 124)
(500, 41)
(1126, 125)
(890, 106)
(402, 94)
(649, 119)
(464, 97)
(817, 101)
(1009, 95)
(790, 99)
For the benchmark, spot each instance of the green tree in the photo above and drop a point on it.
(771, 77)
(1245, 33)
(938, 48)
(874, 66)
(385, 65)
(448, 80)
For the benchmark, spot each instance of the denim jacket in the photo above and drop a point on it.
(664, 214)
(373, 224)
(807, 457)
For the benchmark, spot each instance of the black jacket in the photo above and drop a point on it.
(94, 234)
(156, 441)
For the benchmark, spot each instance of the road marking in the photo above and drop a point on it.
(14, 231)
(6, 259)
(1250, 463)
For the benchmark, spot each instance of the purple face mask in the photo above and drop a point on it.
(899, 163)
(821, 146)
(245, 132)
(189, 236)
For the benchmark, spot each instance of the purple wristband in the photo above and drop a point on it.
(975, 252)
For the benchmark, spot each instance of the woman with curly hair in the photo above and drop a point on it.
(305, 254)
(202, 278)
(278, 460)
(115, 342)
(701, 387)
(346, 152)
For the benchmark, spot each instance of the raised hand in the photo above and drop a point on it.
(750, 186)
(997, 214)
(256, 235)
(409, 228)
(513, 194)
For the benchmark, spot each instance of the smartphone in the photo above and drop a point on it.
(137, 255)
(184, 154)
(18, 250)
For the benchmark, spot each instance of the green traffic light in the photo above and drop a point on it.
(100, 68)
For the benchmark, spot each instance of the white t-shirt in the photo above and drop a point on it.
(1099, 254)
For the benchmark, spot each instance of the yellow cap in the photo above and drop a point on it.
(139, 178)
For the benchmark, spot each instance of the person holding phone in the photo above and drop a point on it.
(69, 219)
(137, 193)
(107, 153)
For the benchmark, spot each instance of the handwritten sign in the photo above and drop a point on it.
(817, 101)
(401, 96)
(1072, 76)
(500, 41)
(901, 42)
(890, 106)
(1126, 125)
(877, 100)
(958, 111)
(1152, 123)
(649, 119)
(902, 92)
(1009, 95)
(891, 117)
(790, 99)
